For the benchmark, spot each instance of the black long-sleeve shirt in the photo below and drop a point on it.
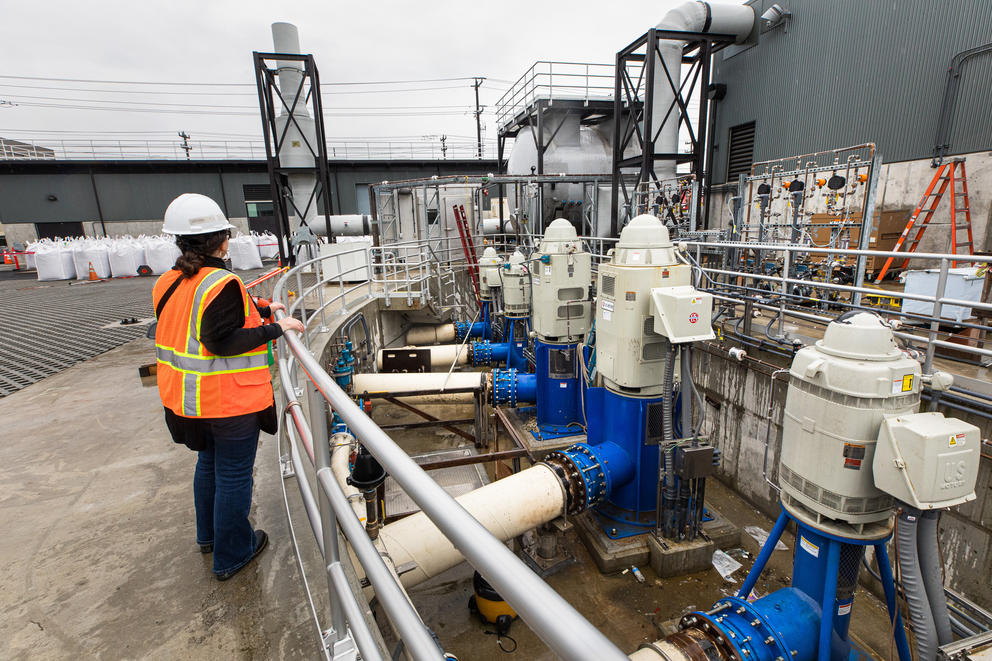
(223, 333)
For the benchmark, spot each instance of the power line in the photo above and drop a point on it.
(199, 84)
(248, 94)
(212, 105)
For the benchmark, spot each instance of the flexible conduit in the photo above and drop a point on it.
(920, 616)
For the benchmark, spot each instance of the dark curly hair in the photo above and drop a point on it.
(196, 248)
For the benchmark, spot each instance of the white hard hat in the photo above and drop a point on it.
(192, 213)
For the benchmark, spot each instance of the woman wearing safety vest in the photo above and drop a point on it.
(213, 377)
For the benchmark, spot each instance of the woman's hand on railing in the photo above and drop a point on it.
(290, 323)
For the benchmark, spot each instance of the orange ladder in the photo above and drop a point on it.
(945, 175)
(468, 247)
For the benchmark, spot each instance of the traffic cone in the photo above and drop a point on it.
(6, 258)
(93, 275)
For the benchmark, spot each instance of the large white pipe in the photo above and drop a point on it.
(442, 355)
(399, 383)
(507, 508)
(708, 17)
(298, 147)
(434, 334)
(353, 224)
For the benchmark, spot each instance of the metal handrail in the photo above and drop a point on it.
(563, 628)
(231, 149)
(555, 80)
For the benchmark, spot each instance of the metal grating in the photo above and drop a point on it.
(456, 481)
(50, 326)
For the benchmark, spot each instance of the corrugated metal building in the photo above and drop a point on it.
(844, 72)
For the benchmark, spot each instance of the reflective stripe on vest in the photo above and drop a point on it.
(195, 373)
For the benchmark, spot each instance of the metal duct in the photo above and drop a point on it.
(706, 17)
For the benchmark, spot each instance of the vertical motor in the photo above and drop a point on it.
(560, 317)
(645, 307)
(853, 449)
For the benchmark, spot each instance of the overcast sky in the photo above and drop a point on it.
(210, 41)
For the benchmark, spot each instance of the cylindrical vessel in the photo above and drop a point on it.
(355, 224)
(840, 391)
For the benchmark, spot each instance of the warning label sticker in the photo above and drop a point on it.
(607, 307)
(902, 384)
(844, 609)
(955, 440)
(547, 270)
(809, 547)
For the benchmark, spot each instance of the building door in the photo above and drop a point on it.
(58, 230)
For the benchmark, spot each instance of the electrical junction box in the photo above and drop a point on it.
(682, 314)
(926, 460)
(694, 462)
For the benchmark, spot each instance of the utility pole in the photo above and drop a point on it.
(478, 115)
(186, 146)
(444, 147)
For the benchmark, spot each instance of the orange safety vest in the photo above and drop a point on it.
(193, 382)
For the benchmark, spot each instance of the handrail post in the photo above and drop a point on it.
(329, 527)
(935, 315)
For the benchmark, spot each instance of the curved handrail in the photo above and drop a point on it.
(562, 627)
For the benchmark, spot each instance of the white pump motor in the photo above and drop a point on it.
(645, 300)
(562, 272)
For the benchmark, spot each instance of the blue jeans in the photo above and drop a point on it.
(222, 490)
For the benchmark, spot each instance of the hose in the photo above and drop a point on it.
(920, 616)
(960, 628)
(666, 449)
(933, 574)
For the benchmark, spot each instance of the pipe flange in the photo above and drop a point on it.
(571, 480)
(505, 387)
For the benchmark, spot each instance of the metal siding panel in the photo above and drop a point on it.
(850, 71)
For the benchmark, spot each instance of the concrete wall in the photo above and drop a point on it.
(900, 187)
(737, 397)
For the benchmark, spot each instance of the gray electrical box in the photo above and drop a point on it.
(927, 460)
(692, 463)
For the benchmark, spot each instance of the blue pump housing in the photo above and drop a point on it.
(634, 424)
(559, 399)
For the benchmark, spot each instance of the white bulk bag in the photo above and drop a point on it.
(54, 261)
(161, 253)
(94, 252)
(126, 255)
(29, 250)
(268, 245)
(244, 253)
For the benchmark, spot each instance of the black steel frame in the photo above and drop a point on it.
(270, 101)
(634, 120)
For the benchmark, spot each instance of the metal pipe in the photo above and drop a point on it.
(409, 627)
(553, 619)
(363, 637)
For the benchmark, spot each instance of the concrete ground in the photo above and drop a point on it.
(97, 555)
